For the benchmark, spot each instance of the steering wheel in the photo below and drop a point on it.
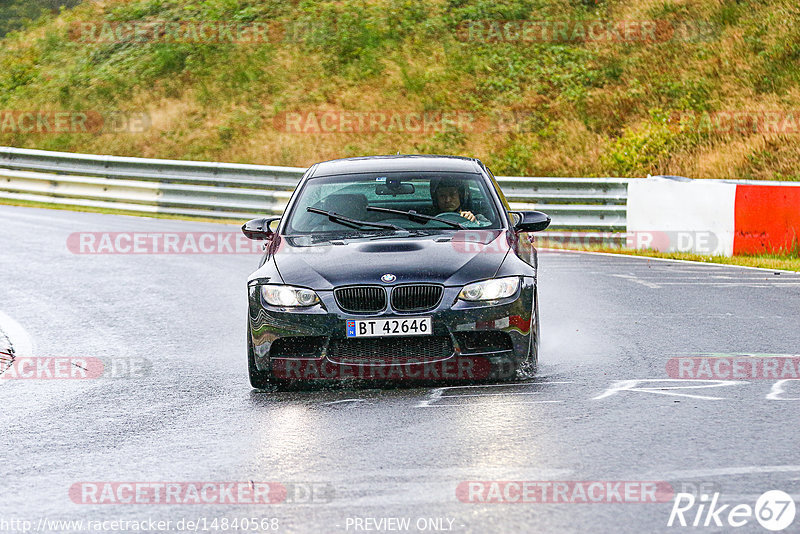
(455, 217)
(452, 216)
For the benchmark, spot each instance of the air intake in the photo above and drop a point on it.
(416, 297)
(361, 299)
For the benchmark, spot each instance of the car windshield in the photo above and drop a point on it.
(413, 201)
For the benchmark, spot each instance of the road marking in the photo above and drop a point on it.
(493, 404)
(732, 284)
(777, 389)
(729, 471)
(19, 338)
(342, 401)
(438, 393)
(633, 385)
(636, 280)
(742, 277)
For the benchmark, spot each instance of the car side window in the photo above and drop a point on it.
(499, 190)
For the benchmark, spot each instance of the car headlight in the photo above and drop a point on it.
(288, 296)
(497, 288)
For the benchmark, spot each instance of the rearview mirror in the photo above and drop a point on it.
(259, 228)
(394, 189)
(530, 221)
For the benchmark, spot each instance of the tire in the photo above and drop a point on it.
(258, 379)
(528, 368)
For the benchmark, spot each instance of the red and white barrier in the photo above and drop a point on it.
(767, 218)
(713, 217)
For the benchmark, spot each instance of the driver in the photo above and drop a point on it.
(448, 197)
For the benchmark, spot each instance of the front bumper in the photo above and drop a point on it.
(468, 340)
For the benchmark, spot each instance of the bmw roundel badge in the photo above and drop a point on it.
(388, 278)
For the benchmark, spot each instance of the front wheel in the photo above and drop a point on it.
(258, 379)
(529, 367)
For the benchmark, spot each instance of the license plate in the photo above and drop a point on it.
(408, 326)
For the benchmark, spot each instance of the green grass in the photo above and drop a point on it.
(16, 15)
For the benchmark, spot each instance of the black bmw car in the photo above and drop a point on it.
(394, 267)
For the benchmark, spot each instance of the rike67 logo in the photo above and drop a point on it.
(774, 510)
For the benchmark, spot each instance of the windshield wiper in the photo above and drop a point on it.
(352, 223)
(416, 217)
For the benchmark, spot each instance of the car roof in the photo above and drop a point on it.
(398, 163)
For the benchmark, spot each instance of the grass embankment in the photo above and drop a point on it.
(581, 108)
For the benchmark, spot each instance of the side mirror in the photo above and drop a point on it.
(259, 228)
(530, 221)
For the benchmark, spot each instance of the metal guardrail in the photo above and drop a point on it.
(230, 190)
(573, 203)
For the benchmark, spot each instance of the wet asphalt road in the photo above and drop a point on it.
(381, 453)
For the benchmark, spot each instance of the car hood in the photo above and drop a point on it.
(450, 259)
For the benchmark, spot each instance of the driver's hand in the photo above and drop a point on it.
(467, 215)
